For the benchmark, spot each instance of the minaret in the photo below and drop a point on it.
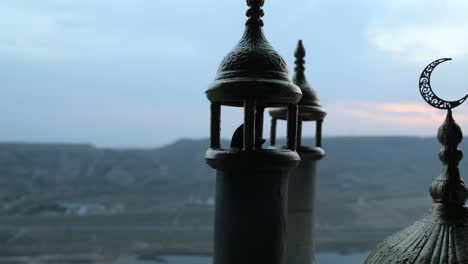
(301, 193)
(251, 182)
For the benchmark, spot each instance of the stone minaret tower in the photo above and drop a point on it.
(301, 205)
(251, 182)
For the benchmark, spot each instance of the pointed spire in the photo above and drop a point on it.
(300, 54)
(310, 107)
(255, 13)
(309, 95)
(449, 188)
(299, 77)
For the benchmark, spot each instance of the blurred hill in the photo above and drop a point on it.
(372, 181)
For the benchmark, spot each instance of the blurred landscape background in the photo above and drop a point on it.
(82, 201)
(104, 120)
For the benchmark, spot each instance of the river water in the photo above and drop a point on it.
(321, 257)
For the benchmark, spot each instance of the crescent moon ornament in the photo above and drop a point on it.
(426, 90)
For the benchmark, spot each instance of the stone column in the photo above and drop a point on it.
(251, 205)
(301, 208)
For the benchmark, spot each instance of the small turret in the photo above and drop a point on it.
(301, 189)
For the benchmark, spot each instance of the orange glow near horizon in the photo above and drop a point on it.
(405, 108)
(409, 117)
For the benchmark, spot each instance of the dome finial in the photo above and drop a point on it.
(255, 13)
(449, 188)
(441, 236)
(300, 54)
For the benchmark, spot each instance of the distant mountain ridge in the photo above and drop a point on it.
(356, 170)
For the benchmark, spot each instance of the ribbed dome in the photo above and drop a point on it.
(253, 69)
(437, 238)
(441, 236)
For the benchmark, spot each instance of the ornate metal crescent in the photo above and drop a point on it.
(426, 90)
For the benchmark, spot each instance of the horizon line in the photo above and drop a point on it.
(149, 146)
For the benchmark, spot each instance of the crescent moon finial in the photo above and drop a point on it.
(428, 94)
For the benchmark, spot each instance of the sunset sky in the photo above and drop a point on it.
(132, 73)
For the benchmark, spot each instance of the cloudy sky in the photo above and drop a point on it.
(132, 73)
